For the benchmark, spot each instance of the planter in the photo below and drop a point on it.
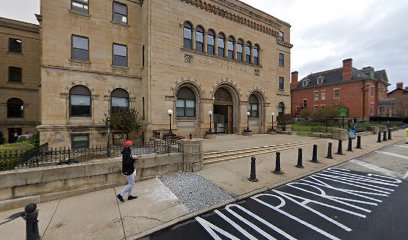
(340, 134)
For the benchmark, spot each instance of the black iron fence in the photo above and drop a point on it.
(10, 160)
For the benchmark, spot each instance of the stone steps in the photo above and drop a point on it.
(215, 157)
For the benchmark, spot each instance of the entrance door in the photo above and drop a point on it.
(223, 112)
(13, 133)
(221, 118)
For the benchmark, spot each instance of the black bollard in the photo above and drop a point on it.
(314, 158)
(329, 151)
(277, 166)
(379, 136)
(30, 216)
(385, 136)
(389, 134)
(358, 142)
(350, 145)
(252, 177)
(191, 136)
(300, 159)
(340, 148)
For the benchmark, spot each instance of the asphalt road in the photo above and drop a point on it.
(365, 198)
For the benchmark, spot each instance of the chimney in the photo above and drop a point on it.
(294, 80)
(347, 68)
(400, 85)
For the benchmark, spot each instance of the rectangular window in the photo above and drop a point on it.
(281, 59)
(316, 96)
(80, 48)
(372, 91)
(304, 103)
(185, 108)
(316, 108)
(80, 141)
(80, 106)
(15, 45)
(281, 36)
(336, 93)
(323, 95)
(80, 6)
(120, 13)
(15, 74)
(281, 83)
(253, 109)
(120, 55)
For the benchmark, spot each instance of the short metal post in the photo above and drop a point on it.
(358, 142)
(350, 145)
(329, 151)
(389, 134)
(385, 136)
(314, 158)
(252, 177)
(379, 136)
(277, 165)
(191, 136)
(340, 148)
(299, 162)
(30, 216)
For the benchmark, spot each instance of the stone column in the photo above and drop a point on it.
(192, 155)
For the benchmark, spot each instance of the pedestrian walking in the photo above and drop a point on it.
(128, 169)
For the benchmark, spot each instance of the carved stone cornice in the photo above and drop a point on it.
(285, 44)
(233, 16)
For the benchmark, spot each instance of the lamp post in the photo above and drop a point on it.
(248, 113)
(170, 112)
(210, 114)
(273, 115)
(108, 144)
(22, 110)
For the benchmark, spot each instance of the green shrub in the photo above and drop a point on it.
(20, 146)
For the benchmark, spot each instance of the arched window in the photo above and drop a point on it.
(15, 108)
(240, 48)
(253, 106)
(188, 36)
(119, 99)
(221, 45)
(199, 39)
(80, 102)
(248, 49)
(211, 42)
(256, 54)
(186, 103)
(231, 47)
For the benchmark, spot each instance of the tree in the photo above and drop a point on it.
(124, 121)
(305, 114)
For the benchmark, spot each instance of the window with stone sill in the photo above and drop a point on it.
(186, 103)
(248, 49)
(231, 48)
(80, 141)
(336, 93)
(281, 60)
(120, 13)
(323, 95)
(81, 6)
(80, 48)
(15, 45)
(188, 36)
(120, 55)
(199, 39)
(240, 49)
(211, 42)
(316, 96)
(221, 45)
(256, 54)
(15, 74)
(281, 83)
(79, 101)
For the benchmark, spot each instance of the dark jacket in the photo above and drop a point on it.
(128, 163)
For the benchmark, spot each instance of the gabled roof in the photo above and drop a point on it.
(335, 76)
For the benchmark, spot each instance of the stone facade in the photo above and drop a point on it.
(19, 92)
(161, 67)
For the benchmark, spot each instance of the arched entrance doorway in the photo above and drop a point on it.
(223, 111)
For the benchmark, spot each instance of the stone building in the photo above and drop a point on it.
(396, 103)
(188, 56)
(19, 78)
(360, 90)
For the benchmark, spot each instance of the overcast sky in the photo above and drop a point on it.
(324, 32)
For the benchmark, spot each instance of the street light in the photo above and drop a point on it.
(248, 113)
(170, 112)
(108, 145)
(210, 114)
(273, 114)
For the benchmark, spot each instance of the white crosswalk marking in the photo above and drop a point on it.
(376, 168)
(393, 154)
(403, 146)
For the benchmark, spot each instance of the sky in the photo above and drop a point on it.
(324, 32)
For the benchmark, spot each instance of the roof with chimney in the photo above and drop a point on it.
(335, 76)
(399, 88)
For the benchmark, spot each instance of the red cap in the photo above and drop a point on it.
(128, 143)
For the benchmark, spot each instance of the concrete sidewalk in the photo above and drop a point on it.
(98, 215)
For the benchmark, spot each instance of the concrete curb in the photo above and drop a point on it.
(246, 195)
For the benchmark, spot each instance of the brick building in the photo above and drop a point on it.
(19, 78)
(396, 103)
(189, 56)
(358, 90)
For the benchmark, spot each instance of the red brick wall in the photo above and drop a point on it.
(351, 96)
